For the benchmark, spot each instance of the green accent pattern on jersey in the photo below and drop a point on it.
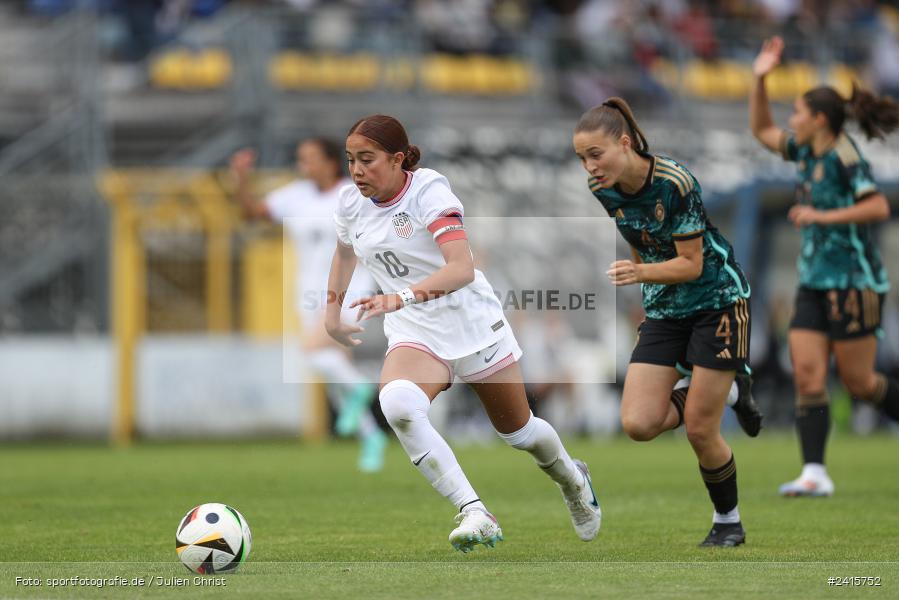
(836, 256)
(667, 209)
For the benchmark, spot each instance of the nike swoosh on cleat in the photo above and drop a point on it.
(418, 462)
(594, 502)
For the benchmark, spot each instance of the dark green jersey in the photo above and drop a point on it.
(836, 256)
(666, 209)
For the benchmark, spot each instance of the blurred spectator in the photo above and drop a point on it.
(140, 24)
(456, 26)
(696, 31)
(885, 53)
(779, 11)
(302, 5)
(145, 23)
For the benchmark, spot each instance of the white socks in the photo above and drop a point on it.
(813, 471)
(538, 438)
(729, 517)
(406, 406)
(732, 395)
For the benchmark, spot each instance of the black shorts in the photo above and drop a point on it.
(714, 339)
(839, 314)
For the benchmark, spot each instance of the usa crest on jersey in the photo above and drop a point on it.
(402, 225)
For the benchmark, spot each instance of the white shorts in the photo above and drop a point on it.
(477, 366)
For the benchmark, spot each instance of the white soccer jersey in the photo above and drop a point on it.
(393, 241)
(307, 214)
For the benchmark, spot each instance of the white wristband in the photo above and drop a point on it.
(408, 296)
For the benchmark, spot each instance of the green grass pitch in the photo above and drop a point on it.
(322, 530)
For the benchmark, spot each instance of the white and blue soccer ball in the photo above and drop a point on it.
(213, 538)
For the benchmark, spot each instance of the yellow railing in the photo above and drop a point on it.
(730, 80)
(146, 202)
(479, 74)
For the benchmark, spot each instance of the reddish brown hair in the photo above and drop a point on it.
(390, 135)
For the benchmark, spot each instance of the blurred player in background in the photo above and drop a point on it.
(306, 208)
(842, 281)
(442, 319)
(696, 300)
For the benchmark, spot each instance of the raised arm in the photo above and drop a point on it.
(760, 121)
(242, 164)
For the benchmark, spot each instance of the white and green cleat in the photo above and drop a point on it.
(354, 406)
(583, 506)
(475, 526)
(371, 451)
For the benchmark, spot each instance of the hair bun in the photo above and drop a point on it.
(413, 155)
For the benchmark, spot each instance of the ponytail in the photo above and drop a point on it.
(876, 115)
(412, 156)
(614, 117)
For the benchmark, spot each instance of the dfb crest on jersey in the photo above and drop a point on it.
(660, 211)
(402, 225)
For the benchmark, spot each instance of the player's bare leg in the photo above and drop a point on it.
(410, 380)
(855, 363)
(505, 402)
(702, 415)
(647, 404)
(810, 354)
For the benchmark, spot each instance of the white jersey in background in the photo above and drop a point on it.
(307, 214)
(393, 241)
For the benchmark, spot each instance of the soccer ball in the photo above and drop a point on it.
(213, 538)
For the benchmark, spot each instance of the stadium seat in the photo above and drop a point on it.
(170, 69)
(184, 69)
(293, 70)
(211, 69)
(699, 79)
(398, 74)
(439, 72)
(734, 78)
(361, 72)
